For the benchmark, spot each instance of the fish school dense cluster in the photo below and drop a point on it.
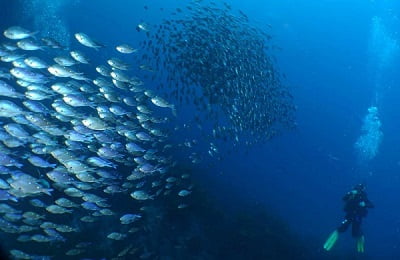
(219, 62)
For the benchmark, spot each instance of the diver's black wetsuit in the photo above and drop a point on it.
(356, 205)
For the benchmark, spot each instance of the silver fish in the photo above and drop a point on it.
(87, 41)
(18, 33)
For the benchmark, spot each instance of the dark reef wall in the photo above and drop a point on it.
(206, 231)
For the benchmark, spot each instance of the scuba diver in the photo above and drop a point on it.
(356, 207)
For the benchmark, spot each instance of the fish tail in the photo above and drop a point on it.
(47, 191)
(33, 34)
(174, 110)
(19, 165)
(98, 47)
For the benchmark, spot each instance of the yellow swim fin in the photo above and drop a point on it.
(360, 244)
(330, 242)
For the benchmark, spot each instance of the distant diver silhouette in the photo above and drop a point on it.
(356, 207)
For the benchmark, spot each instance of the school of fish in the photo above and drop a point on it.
(72, 145)
(78, 138)
(217, 61)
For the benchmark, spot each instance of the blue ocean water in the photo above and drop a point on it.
(300, 175)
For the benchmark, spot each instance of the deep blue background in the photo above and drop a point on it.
(302, 174)
(325, 56)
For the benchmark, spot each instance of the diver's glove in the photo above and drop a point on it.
(362, 204)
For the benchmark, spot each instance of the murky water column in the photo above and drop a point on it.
(48, 19)
(382, 50)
